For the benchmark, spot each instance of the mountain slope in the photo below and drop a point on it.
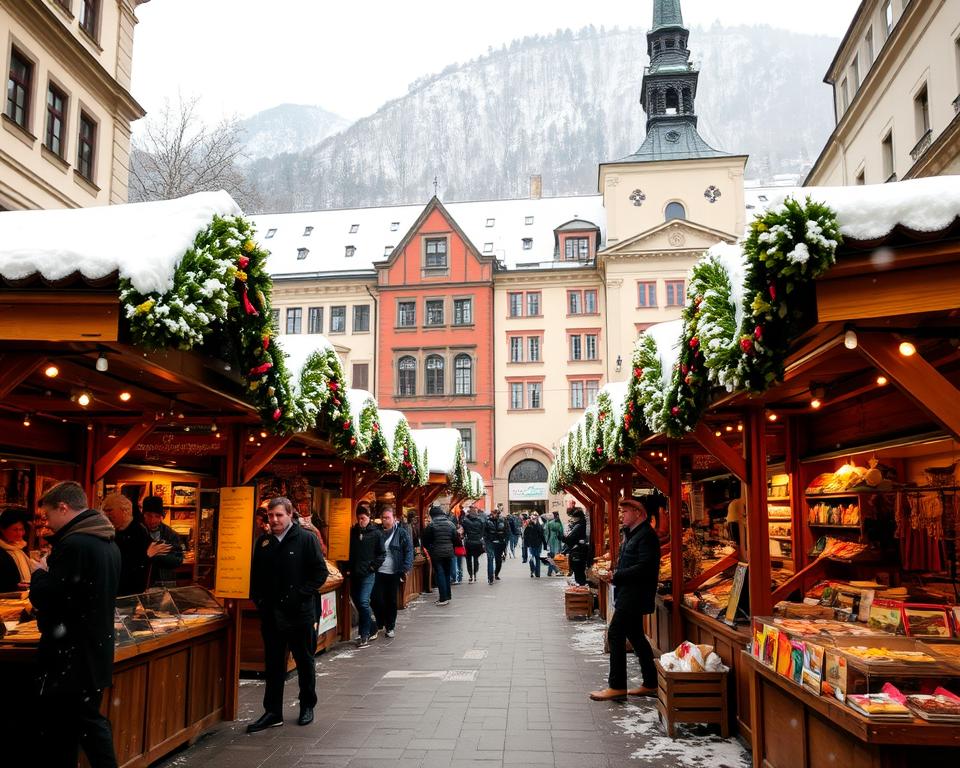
(288, 128)
(558, 106)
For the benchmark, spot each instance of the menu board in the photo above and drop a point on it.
(738, 605)
(234, 542)
(339, 520)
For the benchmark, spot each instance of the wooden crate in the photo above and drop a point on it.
(692, 697)
(578, 605)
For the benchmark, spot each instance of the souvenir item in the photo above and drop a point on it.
(812, 672)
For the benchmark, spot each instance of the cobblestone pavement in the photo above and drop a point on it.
(499, 677)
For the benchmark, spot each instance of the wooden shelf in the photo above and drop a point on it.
(829, 525)
(180, 506)
(778, 498)
(781, 538)
(848, 495)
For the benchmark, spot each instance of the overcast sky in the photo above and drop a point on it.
(350, 56)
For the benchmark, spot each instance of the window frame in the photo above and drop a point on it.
(434, 377)
(469, 452)
(342, 315)
(511, 296)
(644, 289)
(314, 320)
(571, 253)
(432, 305)
(574, 302)
(534, 388)
(515, 344)
(435, 241)
(459, 304)
(53, 114)
(670, 206)
(87, 142)
(534, 349)
(515, 387)
(526, 303)
(403, 304)
(404, 373)
(294, 320)
(596, 301)
(679, 299)
(582, 389)
(921, 109)
(458, 371)
(88, 18)
(25, 86)
(575, 347)
(366, 375)
(361, 311)
(888, 155)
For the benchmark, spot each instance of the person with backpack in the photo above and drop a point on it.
(472, 525)
(513, 531)
(439, 540)
(533, 541)
(495, 540)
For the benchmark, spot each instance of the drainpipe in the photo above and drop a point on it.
(376, 350)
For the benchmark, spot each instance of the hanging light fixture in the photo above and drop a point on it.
(850, 340)
(26, 419)
(125, 396)
(51, 371)
(84, 399)
(772, 416)
(881, 380)
(102, 363)
(907, 349)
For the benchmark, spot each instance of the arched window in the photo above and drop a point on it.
(527, 471)
(434, 375)
(675, 211)
(407, 376)
(673, 101)
(463, 375)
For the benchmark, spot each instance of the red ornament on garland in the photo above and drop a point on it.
(250, 309)
(332, 385)
(243, 262)
(277, 415)
(773, 292)
(758, 332)
(746, 344)
(694, 342)
(260, 369)
(675, 410)
(637, 373)
(346, 424)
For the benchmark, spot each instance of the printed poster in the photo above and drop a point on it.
(234, 542)
(339, 520)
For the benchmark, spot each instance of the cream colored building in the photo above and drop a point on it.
(896, 83)
(65, 138)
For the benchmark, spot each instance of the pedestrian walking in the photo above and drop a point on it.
(495, 541)
(576, 546)
(288, 569)
(459, 551)
(73, 592)
(397, 563)
(366, 556)
(513, 531)
(438, 538)
(524, 521)
(534, 541)
(635, 589)
(553, 531)
(472, 525)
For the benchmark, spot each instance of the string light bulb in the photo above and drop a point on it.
(26, 419)
(907, 349)
(815, 403)
(102, 363)
(772, 416)
(83, 399)
(51, 371)
(850, 340)
(125, 396)
(881, 381)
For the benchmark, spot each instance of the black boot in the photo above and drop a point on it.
(306, 716)
(267, 720)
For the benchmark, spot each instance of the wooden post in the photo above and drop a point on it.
(263, 456)
(676, 540)
(652, 474)
(758, 576)
(122, 446)
(231, 473)
(792, 466)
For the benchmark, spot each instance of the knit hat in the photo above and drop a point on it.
(152, 504)
(436, 511)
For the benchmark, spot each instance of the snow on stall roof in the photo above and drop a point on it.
(734, 261)
(441, 447)
(143, 242)
(667, 337)
(299, 348)
(617, 390)
(389, 423)
(871, 211)
(476, 482)
(357, 399)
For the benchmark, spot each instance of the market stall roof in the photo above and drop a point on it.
(142, 242)
(441, 446)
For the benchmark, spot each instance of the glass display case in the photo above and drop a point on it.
(161, 612)
(195, 604)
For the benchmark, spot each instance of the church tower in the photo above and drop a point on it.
(670, 200)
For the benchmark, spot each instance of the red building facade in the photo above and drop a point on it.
(435, 340)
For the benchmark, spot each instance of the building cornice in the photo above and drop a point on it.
(538, 277)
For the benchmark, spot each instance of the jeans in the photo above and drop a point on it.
(276, 641)
(456, 569)
(473, 565)
(494, 560)
(551, 568)
(442, 569)
(627, 624)
(361, 588)
(525, 549)
(533, 553)
(512, 540)
(386, 590)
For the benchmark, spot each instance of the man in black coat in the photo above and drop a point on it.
(438, 539)
(367, 554)
(635, 591)
(73, 594)
(288, 569)
(495, 536)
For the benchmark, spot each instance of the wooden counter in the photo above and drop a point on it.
(795, 729)
(165, 691)
(414, 584)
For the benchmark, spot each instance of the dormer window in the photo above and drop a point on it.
(394, 226)
(528, 220)
(354, 228)
(307, 231)
(387, 250)
(350, 251)
(576, 248)
(302, 253)
(270, 234)
(488, 247)
(491, 222)
(528, 243)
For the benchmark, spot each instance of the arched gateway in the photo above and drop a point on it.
(527, 487)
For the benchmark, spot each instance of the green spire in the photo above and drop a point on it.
(666, 13)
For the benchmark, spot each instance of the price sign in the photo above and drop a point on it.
(234, 542)
(339, 519)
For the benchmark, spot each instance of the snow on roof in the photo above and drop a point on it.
(389, 423)
(357, 399)
(141, 241)
(441, 447)
(668, 338)
(617, 390)
(871, 211)
(734, 261)
(299, 348)
(498, 228)
(477, 484)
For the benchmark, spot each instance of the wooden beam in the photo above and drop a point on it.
(15, 369)
(59, 316)
(719, 567)
(652, 474)
(915, 377)
(721, 451)
(758, 532)
(676, 540)
(813, 571)
(265, 454)
(122, 446)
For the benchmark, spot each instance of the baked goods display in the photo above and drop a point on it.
(878, 706)
(883, 654)
(938, 707)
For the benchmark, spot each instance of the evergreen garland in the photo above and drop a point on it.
(407, 457)
(650, 394)
(375, 447)
(687, 396)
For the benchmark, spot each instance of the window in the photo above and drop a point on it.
(488, 247)
(361, 376)
(491, 222)
(307, 231)
(592, 389)
(294, 318)
(387, 250)
(576, 248)
(534, 394)
(861, 178)
(19, 88)
(516, 396)
(844, 96)
(315, 320)
(302, 253)
(86, 146)
(675, 211)
(574, 303)
(516, 304)
(868, 43)
(576, 395)
(463, 375)
(647, 294)
(56, 110)
(675, 293)
(516, 349)
(89, 10)
(270, 234)
(463, 311)
(583, 393)
(855, 73)
(590, 302)
(886, 151)
(528, 220)
(528, 243)
(887, 11)
(407, 376)
(533, 304)
(921, 109)
(406, 314)
(394, 226)
(275, 320)
(361, 318)
(434, 375)
(354, 228)
(576, 347)
(338, 319)
(434, 311)
(350, 251)
(436, 252)
(466, 440)
(533, 349)
(590, 346)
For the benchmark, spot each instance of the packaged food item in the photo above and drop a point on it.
(812, 673)
(796, 660)
(935, 707)
(834, 675)
(878, 706)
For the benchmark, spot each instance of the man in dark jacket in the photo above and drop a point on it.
(495, 536)
(288, 569)
(513, 530)
(73, 594)
(438, 539)
(635, 590)
(472, 525)
(577, 546)
(165, 551)
(366, 556)
(392, 573)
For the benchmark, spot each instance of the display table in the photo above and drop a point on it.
(796, 729)
(413, 586)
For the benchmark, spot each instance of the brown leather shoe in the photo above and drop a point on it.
(642, 691)
(608, 694)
